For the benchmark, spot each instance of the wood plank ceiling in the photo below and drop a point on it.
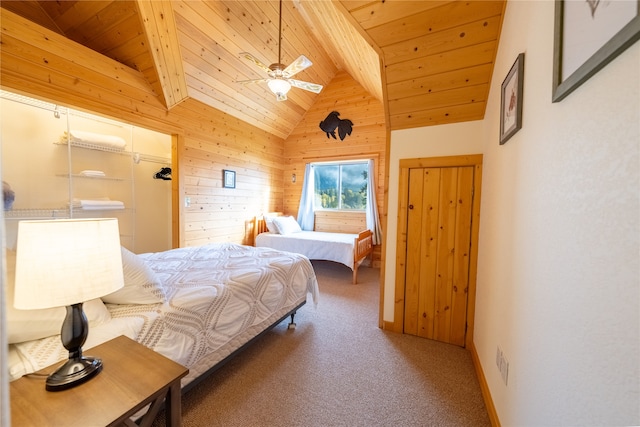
(429, 61)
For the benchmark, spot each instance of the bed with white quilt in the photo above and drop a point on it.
(197, 306)
(283, 233)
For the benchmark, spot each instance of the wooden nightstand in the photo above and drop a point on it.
(132, 377)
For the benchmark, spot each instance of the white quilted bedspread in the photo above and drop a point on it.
(321, 245)
(218, 297)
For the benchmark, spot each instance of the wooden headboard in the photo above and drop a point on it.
(260, 226)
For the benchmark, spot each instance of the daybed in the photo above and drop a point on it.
(285, 235)
(196, 305)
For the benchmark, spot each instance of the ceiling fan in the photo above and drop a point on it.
(279, 80)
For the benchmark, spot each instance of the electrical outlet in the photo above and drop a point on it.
(187, 202)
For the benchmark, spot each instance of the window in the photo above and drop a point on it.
(341, 185)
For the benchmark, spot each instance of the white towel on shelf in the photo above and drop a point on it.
(101, 204)
(83, 137)
(97, 204)
(92, 173)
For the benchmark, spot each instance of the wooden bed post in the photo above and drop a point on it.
(362, 247)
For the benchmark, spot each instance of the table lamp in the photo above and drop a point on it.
(66, 263)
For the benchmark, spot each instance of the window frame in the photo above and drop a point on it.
(354, 161)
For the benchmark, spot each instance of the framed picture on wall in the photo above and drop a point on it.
(228, 178)
(511, 100)
(588, 35)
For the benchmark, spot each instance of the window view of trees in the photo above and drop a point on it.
(341, 186)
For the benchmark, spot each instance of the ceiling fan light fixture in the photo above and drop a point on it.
(280, 77)
(279, 86)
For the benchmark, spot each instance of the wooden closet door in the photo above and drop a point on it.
(438, 242)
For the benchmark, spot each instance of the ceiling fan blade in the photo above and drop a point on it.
(256, 61)
(296, 66)
(311, 87)
(253, 81)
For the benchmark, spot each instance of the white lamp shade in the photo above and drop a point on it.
(279, 86)
(64, 262)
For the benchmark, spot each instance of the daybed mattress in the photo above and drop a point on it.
(318, 245)
(218, 297)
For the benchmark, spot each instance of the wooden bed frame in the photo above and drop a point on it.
(362, 245)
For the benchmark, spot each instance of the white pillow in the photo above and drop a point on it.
(141, 285)
(27, 325)
(286, 225)
(268, 221)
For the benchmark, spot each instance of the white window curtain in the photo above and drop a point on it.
(305, 210)
(372, 218)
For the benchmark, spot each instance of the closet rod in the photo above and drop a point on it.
(138, 157)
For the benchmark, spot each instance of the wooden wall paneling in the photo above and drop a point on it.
(328, 22)
(442, 62)
(36, 11)
(461, 96)
(376, 13)
(35, 51)
(308, 143)
(177, 190)
(75, 76)
(206, 60)
(469, 34)
(215, 210)
(340, 222)
(451, 114)
(446, 16)
(162, 35)
(471, 76)
(96, 31)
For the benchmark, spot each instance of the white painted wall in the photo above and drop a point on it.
(559, 257)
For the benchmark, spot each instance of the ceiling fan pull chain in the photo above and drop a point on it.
(280, 36)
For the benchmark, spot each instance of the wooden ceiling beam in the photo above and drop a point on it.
(162, 34)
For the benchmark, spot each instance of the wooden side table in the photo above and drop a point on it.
(132, 377)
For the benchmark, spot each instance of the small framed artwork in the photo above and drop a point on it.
(228, 178)
(588, 35)
(511, 100)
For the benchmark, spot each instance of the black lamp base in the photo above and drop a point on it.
(74, 372)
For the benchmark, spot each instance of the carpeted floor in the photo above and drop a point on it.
(337, 368)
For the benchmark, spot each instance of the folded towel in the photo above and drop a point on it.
(96, 204)
(101, 204)
(82, 137)
(92, 173)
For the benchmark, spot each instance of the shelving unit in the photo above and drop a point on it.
(18, 214)
(48, 181)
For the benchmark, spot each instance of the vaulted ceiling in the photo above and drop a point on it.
(430, 62)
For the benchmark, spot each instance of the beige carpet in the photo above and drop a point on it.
(337, 368)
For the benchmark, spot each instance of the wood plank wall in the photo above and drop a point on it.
(308, 143)
(38, 62)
